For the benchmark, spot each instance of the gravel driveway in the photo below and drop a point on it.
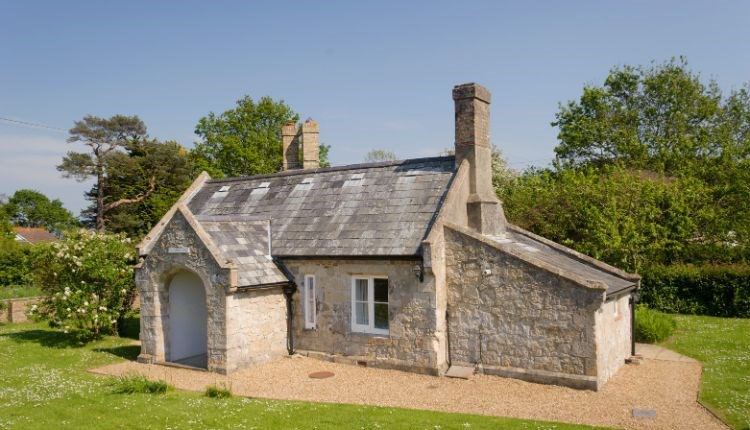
(668, 387)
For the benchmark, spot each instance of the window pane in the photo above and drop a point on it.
(360, 309)
(360, 290)
(381, 290)
(381, 315)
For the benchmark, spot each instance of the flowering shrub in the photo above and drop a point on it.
(87, 282)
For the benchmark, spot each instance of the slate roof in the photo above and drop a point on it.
(245, 242)
(375, 209)
(527, 244)
(33, 235)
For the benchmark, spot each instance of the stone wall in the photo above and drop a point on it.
(513, 319)
(16, 309)
(412, 343)
(165, 259)
(256, 327)
(613, 336)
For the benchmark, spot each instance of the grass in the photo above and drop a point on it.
(652, 326)
(18, 291)
(132, 384)
(722, 345)
(44, 384)
(218, 392)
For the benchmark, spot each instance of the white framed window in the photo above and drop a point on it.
(370, 304)
(309, 301)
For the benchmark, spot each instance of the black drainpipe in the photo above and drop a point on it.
(633, 300)
(448, 333)
(289, 290)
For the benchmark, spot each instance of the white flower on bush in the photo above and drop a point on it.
(85, 303)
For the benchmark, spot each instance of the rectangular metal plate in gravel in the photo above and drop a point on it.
(644, 413)
(459, 372)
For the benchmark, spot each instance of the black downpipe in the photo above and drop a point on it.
(289, 290)
(448, 334)
(633, 300)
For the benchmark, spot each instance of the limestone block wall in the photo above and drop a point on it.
(179, 248)
(613, 336)
(256, 327)
(518, 321)
(412, 343)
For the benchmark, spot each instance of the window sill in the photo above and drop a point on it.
(370, 334)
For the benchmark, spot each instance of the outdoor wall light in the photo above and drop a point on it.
(418, 272)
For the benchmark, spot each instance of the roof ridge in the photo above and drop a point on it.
(296, 172)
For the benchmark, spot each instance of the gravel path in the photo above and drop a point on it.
(668, 387)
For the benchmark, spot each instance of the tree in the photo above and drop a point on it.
(104, 137)
(628, 218)
(661, 118)
(245, 140)
(380, 155)
(653, 167)
(30, 208)
(155, 173)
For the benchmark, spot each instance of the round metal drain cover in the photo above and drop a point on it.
(321, 375)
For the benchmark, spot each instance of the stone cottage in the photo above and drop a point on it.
(408, 265)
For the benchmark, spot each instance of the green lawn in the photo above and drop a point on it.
(44, 385)
(723, 346)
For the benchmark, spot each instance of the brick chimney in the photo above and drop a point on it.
(290, 146)
(484, 210)
(310, 143)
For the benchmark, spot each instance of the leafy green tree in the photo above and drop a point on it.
(30, 208)
(661, 118)
(653, 167)
(245, 140)
(143, 182)
(104, 137)
(380, 155)
(626, 217)
(137, 177)
(5, 226)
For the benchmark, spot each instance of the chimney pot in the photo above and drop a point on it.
(290, 146)
(310, 144)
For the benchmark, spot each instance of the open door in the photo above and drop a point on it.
(188, 320)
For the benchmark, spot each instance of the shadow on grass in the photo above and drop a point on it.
(46, 338)
(128, 352)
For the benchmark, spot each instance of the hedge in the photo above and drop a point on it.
(716, 290)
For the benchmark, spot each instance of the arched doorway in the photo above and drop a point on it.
(188, 319)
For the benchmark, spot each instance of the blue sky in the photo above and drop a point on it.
(374, 74)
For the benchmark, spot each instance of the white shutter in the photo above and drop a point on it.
(309, 298)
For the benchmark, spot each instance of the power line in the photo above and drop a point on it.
(32, 124)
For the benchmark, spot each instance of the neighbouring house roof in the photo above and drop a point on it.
(245, 243)
(375, 209)
(33, 235)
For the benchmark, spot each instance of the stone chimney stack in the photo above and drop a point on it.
(290, 146)
(310, 143)
(485, 212)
